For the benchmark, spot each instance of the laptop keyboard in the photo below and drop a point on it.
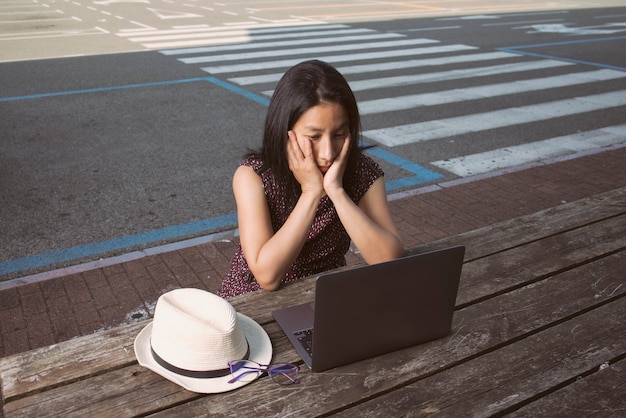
(306, 339)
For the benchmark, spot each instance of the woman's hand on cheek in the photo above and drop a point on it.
(333, 179)
(302, 165)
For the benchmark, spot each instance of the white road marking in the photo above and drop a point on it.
(480, 92)
(441, 128)
(309, 51)
(498, 159)
(336, 58)
(405, 80)
(385, 66)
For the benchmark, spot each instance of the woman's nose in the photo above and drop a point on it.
(326, 149)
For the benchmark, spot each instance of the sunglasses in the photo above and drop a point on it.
(246, 371)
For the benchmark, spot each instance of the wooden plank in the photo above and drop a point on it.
(478, 329)
(521, 230)
(108, 350)
(500, 380)
(508, 269)
(599, 394)
(61, 363)
(122, 392)
(100, 352)
(79, 358)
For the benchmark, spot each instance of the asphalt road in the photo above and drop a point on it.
(132, 143)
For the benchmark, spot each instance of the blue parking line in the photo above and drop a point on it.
(522, 50)
(81, 251)
(421, 174)
(101, 89)
(262, 100)
(570, 42)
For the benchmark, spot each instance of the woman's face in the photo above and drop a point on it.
(326, 126)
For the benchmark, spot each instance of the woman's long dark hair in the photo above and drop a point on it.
(302, 87)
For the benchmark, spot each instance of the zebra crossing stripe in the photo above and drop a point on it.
(336, 58)
(498, 159)
(385, 66)
(225, 31)
(441, 128)
(405, 80)
(281, 44)
(232, 37)
(411, 101)
(427, 62)
(251, 36)
(481, 92)
(310, 51)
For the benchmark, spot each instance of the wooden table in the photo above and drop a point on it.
(539, 330)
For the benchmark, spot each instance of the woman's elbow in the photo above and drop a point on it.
(268, 282)
(271, 286)
(389, 253)
(394, 253)
(399, 250)
(393, 249)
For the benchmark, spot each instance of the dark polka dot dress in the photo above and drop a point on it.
(327, 241)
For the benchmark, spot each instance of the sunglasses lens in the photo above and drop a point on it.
(245, 371)
(284, 374)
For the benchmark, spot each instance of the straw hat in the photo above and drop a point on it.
(194, 335)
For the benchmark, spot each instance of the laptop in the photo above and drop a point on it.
(375, 309)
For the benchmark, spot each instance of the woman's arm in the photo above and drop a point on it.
(369, 224)
(269, 255)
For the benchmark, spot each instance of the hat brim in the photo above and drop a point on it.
(260, 352)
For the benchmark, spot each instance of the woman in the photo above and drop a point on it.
(310, 190)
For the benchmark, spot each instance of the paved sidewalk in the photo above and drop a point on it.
(35, 312)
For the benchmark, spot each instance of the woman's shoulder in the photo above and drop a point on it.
(252, 160)
(253, 172)
(247, 171)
